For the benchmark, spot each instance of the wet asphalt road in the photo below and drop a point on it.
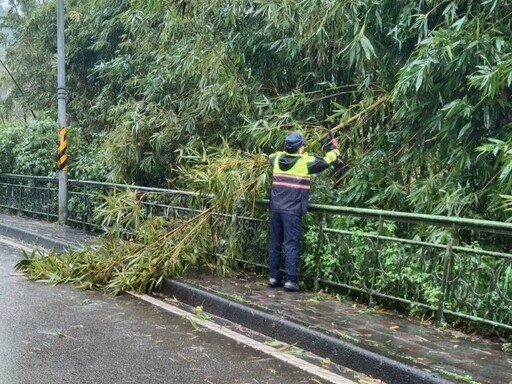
(64, 335)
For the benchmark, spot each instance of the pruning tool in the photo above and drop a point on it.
(330, 143)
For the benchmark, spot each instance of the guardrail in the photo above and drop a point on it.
(443, 267)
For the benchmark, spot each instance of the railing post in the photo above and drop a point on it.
(47, 199)
(318, 252)
(380, 232)
(447, 267)
(85, 215)
(21, 198)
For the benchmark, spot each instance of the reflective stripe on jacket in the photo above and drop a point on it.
(291, 181)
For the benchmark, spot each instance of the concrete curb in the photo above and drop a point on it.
(346, 354)
(35, 238)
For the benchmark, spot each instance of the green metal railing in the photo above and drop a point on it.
(445, 267)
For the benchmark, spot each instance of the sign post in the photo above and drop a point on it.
(61, 100)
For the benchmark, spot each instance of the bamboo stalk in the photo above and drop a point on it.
(371, 107)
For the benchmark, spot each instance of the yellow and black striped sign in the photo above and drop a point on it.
(63, 145)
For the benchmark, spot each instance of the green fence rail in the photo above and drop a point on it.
(446, 268)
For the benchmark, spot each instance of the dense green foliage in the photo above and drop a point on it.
(419, 92)
(31, 150)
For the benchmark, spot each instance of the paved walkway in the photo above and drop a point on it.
(390, 347)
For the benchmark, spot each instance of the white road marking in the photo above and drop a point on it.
(290, 359)
(15, 244)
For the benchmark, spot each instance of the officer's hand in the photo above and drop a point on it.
(334, 144)
(336, 151)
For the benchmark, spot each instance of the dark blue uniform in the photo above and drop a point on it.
(289, 197)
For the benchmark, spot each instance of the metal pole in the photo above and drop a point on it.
(61, 100)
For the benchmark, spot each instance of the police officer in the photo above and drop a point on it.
(289, 197)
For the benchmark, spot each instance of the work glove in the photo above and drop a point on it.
(330, 143)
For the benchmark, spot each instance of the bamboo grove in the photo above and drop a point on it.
(418, 92)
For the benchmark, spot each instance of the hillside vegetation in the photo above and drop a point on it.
(418, 92)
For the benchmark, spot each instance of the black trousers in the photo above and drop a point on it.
(285, 232)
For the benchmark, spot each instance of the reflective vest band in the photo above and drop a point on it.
(290, 185)
(291, 181)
